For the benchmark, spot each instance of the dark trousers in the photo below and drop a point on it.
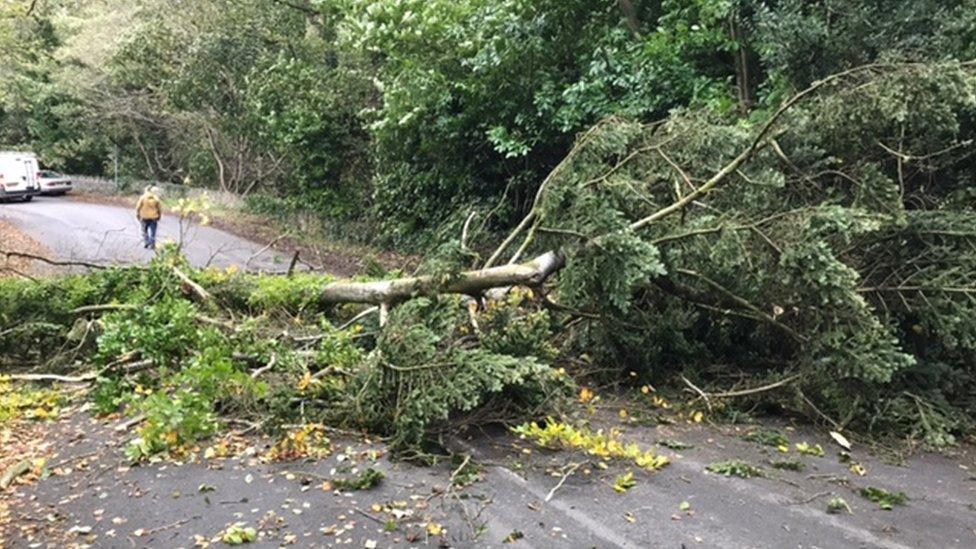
(149, 232)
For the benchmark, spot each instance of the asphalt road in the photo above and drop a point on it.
(96, 498)
(101, 233)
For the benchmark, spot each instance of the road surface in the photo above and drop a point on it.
(521, 497)
(96, 498)
(101, 233)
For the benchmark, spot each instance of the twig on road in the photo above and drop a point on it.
(264, 249)
(701, 393)
(562, 481)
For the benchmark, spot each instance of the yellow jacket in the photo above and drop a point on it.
(149, 207)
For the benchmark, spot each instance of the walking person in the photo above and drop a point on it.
(149, 210)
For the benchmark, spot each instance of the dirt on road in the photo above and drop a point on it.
(14, 242)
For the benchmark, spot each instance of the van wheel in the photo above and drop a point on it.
(28, 198)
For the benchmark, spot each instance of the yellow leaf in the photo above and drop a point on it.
(586, 395)
(434, 529)
(697, 417)
(622, 413)
(376, 507)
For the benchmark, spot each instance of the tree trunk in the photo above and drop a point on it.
(471, 283)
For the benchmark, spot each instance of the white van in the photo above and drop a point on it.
(18, 176)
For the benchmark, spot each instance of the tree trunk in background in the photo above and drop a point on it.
(741, 65)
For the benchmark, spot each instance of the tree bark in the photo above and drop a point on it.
(472, 283)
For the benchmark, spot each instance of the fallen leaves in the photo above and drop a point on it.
(238, 533)
(886, 500)
(624, 482)
(837, 504)
(805, 448)
(605, 445)
(15, 240)
(735, 468)
(308, 441)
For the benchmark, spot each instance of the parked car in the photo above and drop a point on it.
(53, 183)
(18, 176)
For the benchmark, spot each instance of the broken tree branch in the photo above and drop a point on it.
(758, 142)
(107, 307)
(761, 389)
(471, 283)
(191, 287)
(268, 246)
(562, 481)
(534, 212)
(85, 378)
(57, 263)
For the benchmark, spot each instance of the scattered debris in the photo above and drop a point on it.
(555, 435)
(788, 465)
(673, 444)
(514, 536)
(885, 499)
(840, 439)
(735, 468)
(624, 482)
(13, 472)
(366, 480)
(768, 437)
(837, 504)
(814, 450)
(238, 533)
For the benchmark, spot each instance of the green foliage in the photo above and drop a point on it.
(673, 444)
(295, 293)
(173, 420)
(807, 259)
(366, 480)
(885, 499)
(165, 332)
(842, 252)
(510, 327)
(768, 437)
(420, 375)
(109, 394)
(735, 468)
(836, 505)
(789, 465)
(238, 534)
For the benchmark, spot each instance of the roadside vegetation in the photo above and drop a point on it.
(758, 203)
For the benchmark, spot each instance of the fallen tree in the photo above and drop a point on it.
(825, 252)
